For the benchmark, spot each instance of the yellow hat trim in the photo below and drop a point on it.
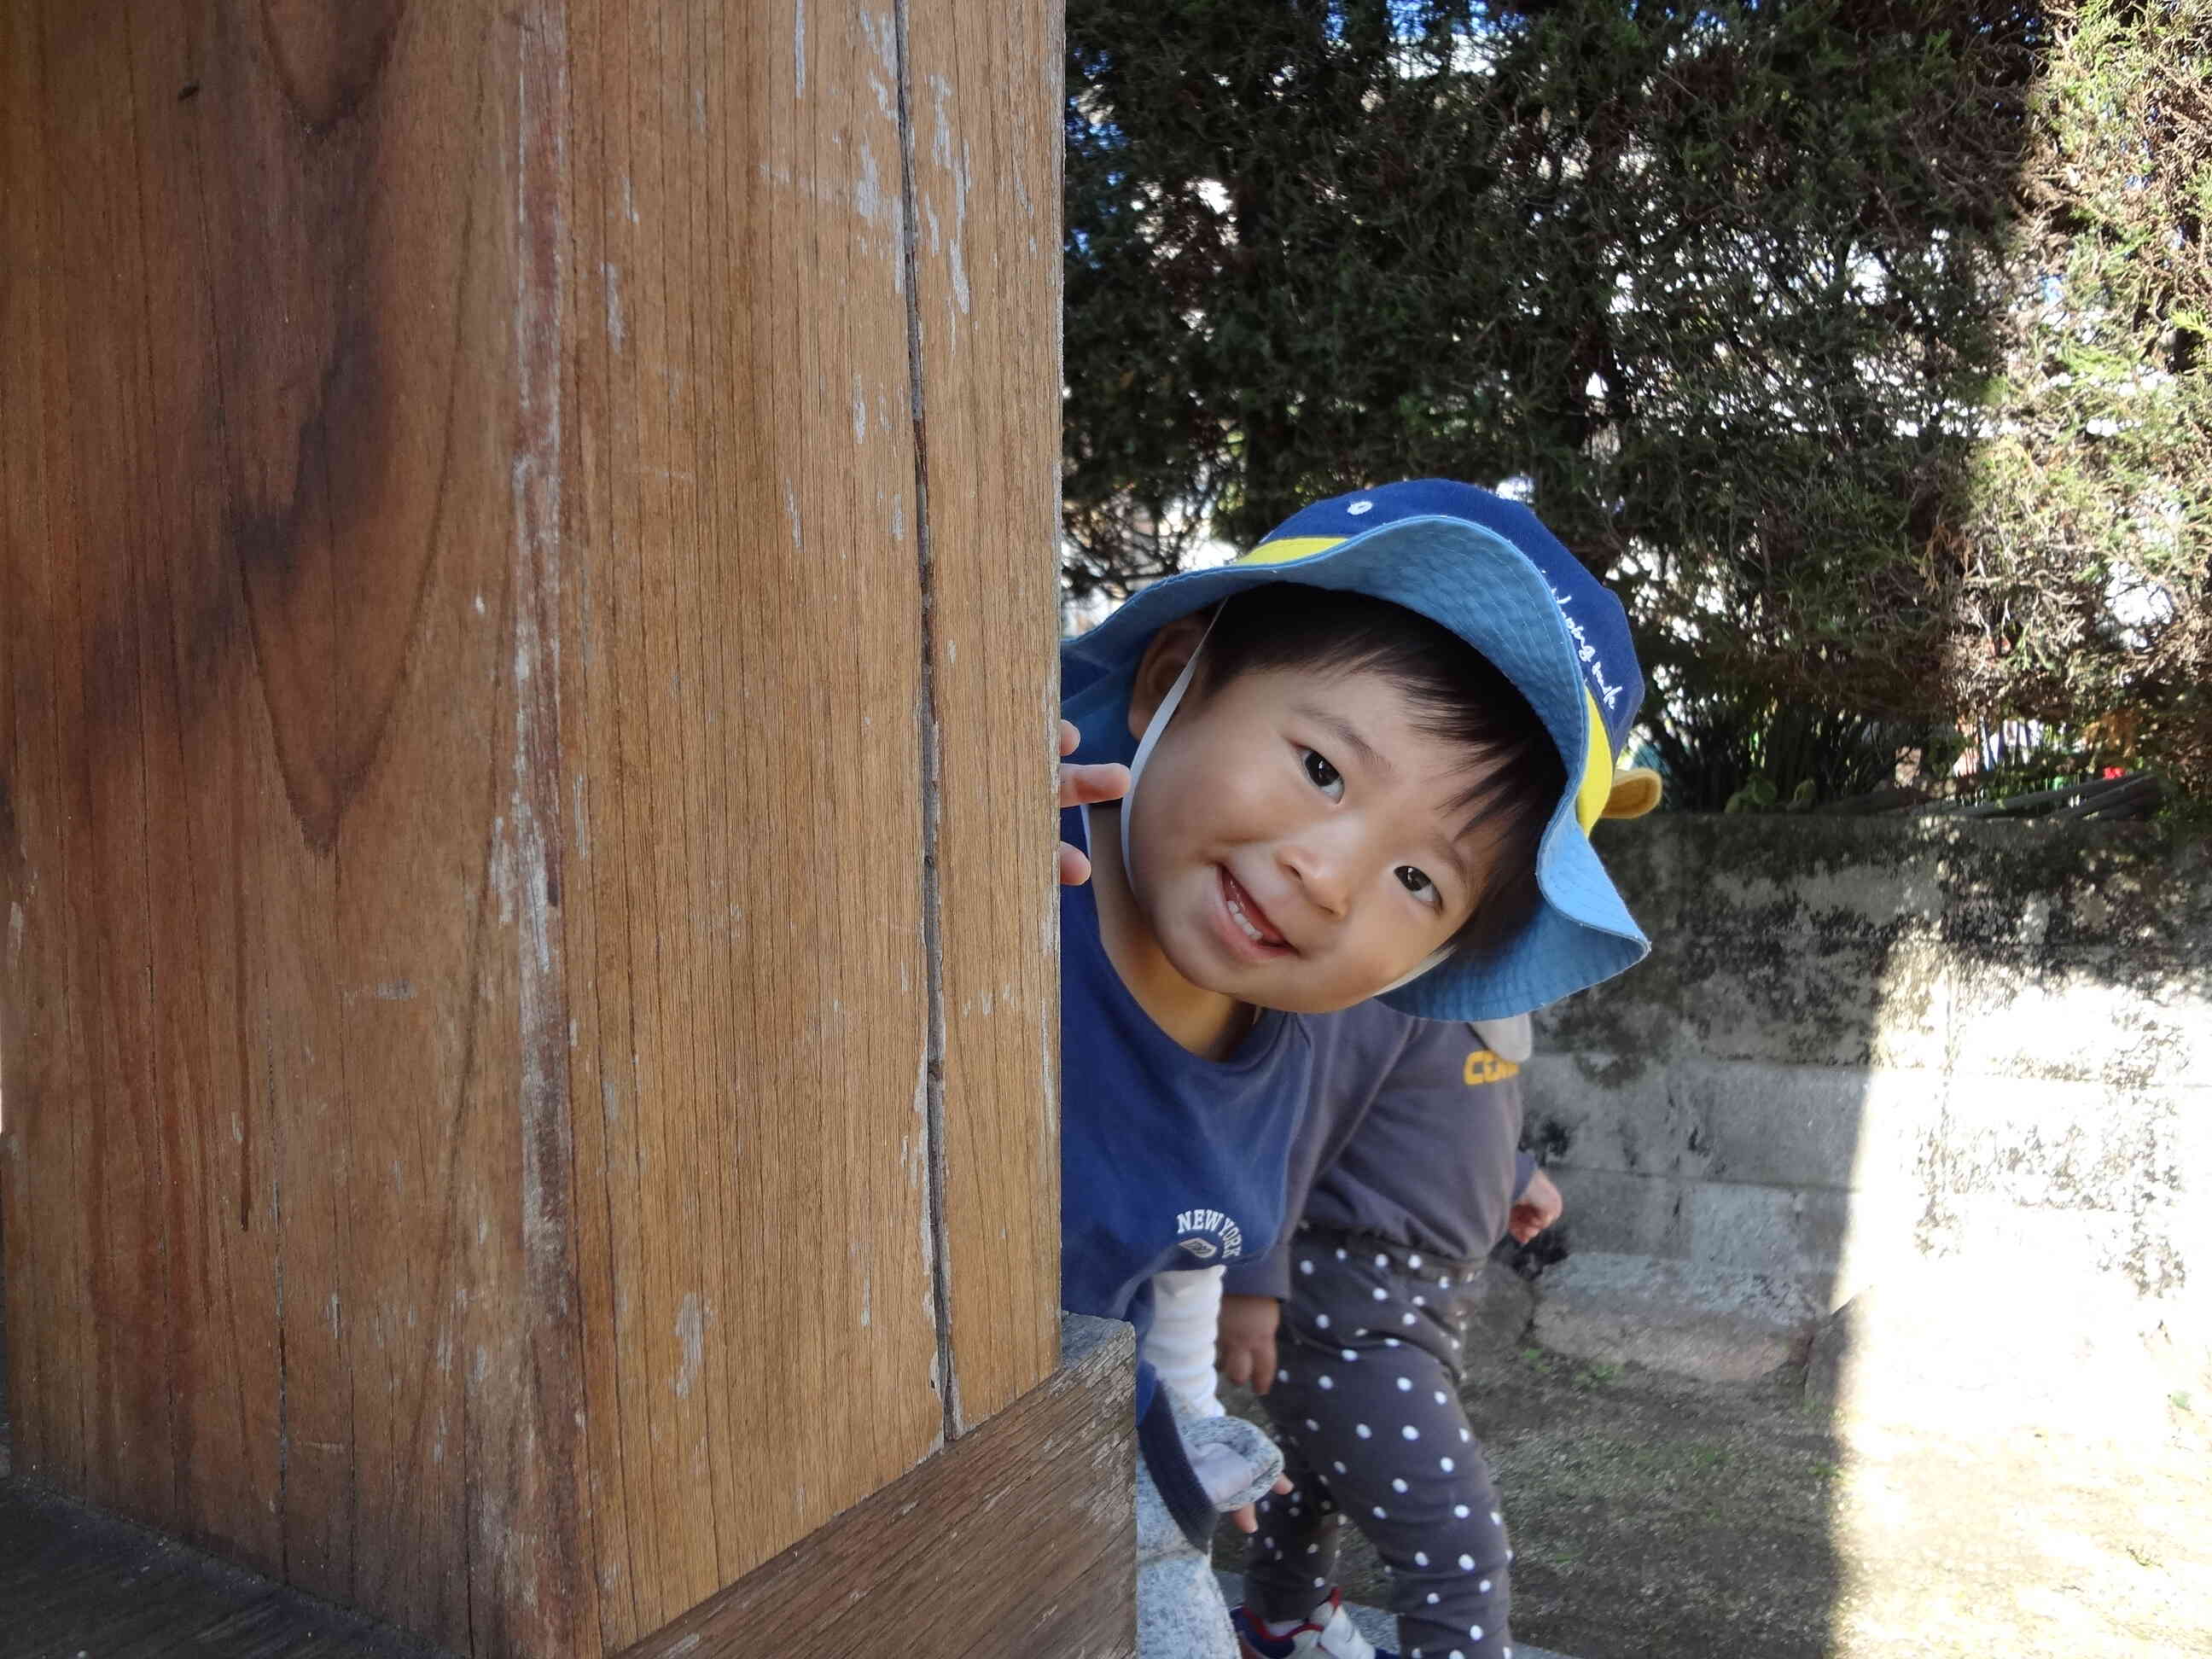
(1597, 786)
(1635, 791)
(1289, 548)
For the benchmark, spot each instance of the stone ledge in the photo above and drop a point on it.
(1712, 1323)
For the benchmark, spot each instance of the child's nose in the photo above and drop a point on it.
(1323, 863)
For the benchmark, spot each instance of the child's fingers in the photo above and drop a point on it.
(1085, 786)
(1236, 1362)
(1248, 1518)
(1262, 1352)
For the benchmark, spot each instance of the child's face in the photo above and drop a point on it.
(1293, 839)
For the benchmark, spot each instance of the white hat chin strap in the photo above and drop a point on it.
(1153, 727)
(1157, 724)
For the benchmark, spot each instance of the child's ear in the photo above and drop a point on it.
(1163, 659)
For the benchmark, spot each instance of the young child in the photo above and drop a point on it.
(1405, 1176)
(1364, 759)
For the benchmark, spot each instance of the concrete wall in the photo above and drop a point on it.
(1861, 1045)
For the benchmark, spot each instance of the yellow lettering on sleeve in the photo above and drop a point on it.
(1484, 1066)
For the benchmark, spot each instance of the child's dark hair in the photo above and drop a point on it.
(1461, 698)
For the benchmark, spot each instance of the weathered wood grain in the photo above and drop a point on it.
(1020, 1538)
(983, 89)
(96, 671)
(625, 1485)
(34, 1003)
(224, 1456)
(741, 686)
(476, 659)
(1025, 1544)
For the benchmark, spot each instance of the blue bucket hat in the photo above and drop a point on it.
(1486, 568)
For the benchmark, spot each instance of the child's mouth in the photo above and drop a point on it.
(1244, 910)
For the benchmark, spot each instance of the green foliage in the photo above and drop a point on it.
(1861, 344)
(2082, 533)
(1749, 752)
(1710, 278)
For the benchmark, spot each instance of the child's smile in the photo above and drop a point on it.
(1250, 919)
(1297, 841)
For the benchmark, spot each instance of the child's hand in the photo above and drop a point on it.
(1539, 1206)
(1248, 1518)
(1244, 1342)
(1085, 786)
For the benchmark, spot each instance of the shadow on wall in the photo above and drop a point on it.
(1939, 1079)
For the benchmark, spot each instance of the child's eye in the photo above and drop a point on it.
(1418, 884)
(1326, 778)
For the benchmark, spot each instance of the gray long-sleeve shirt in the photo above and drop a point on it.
(1409, 1135)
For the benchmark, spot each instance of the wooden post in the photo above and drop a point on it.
(526, 699)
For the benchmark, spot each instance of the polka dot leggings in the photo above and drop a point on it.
(1366, 1409)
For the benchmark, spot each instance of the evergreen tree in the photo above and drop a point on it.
(1720, 281)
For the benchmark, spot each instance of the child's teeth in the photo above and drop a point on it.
(1245, 922)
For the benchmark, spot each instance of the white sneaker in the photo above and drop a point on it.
(1333, 1635)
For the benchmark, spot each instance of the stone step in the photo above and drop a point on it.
(1716, 1324)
